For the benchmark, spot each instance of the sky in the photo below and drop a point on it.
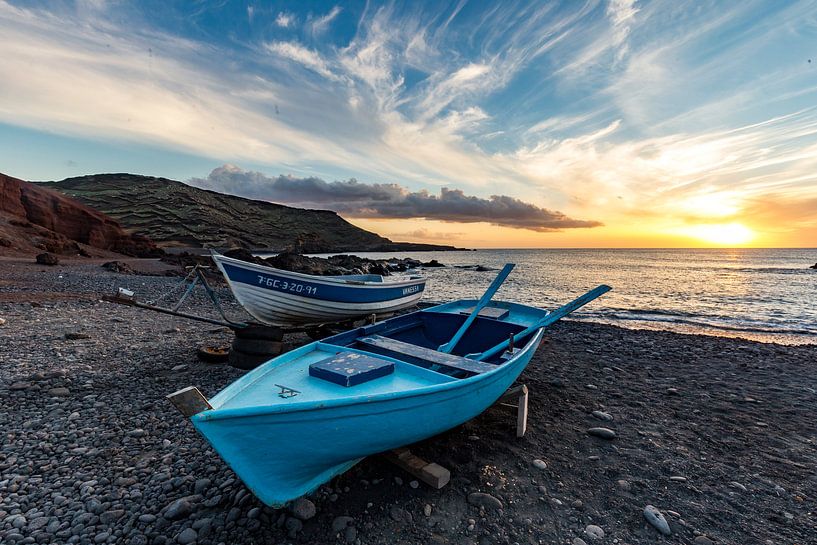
(609, 123)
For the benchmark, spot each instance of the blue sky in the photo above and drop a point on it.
(620, 112)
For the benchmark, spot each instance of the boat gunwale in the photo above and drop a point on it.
(313, 405)
(332, 280)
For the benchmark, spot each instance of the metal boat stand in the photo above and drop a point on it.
(194, 277)
(437, 476)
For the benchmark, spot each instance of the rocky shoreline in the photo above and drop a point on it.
(717, 435)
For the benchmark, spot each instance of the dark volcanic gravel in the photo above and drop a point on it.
(717, 434)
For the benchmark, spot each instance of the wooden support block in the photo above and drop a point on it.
(189, 401)
(519, 395)
(432, 474)
(522, 414)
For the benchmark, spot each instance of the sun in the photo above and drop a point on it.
(722, 234)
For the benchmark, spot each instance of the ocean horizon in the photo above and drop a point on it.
(759, 294)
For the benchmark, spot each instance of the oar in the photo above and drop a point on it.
(483, 301)
(551, 318)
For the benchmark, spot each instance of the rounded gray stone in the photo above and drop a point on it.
(399, 514)
(21, 385)
(487, 501)
(603, 433)
(656, 518)
(340, 523)
(594, 532)
(293, 526)
(601, 415)
(187, 536)
(303, 509)
(177, 510)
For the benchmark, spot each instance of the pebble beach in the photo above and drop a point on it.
(634, 437)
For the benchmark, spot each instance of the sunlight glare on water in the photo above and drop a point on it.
(760, 294)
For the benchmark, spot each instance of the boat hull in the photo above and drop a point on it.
(281, 456)
(277, 297)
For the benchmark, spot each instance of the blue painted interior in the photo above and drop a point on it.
(449, 345)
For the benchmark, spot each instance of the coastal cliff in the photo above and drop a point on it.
(35, 218)
(177, 215)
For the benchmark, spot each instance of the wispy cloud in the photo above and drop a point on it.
(319, 25)
(358, 200)
(425, 234)
(300, 54)
(284, 19)
(621, 14)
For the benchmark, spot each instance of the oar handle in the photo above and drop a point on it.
(551, 318)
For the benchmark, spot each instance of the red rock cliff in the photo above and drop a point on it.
(69, 218)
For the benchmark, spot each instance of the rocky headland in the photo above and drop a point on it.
(176, 215)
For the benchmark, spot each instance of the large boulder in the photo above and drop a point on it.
(48, 259)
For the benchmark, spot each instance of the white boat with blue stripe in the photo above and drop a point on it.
(276, 297)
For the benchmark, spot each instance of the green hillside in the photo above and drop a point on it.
(174, 214)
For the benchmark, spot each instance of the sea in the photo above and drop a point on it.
(767, 295)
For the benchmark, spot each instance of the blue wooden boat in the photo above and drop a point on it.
(298, 420)
(278, 297)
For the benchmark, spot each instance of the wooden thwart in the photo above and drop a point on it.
(496, 313)
(407, 351)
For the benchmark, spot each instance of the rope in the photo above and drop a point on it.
(175, 288)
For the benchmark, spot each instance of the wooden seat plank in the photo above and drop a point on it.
(395, 348)
(489, 312)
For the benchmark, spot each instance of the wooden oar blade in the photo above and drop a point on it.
(574, 305)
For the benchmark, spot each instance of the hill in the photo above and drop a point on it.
(34, 218)
(177, 215)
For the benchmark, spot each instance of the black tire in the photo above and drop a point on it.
(257, 346)
(213, 354)
(242, 360)
(318, 333)
(260, 332)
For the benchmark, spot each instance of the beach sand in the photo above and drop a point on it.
(718, 434)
